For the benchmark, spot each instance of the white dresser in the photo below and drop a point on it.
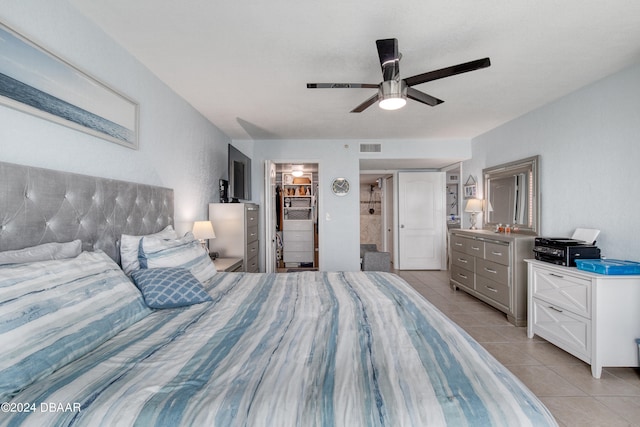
(236, 228)
(490, 266)
(594, 317)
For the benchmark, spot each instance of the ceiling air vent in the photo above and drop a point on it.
(370, 148)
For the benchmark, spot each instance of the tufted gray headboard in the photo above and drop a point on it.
(41, 205)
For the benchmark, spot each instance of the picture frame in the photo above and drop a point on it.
(470, 188)
(36, 81)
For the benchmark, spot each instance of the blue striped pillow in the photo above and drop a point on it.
(186, 252)
(169, 287)
(53, 312)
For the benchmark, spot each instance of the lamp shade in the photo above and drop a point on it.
(473, 205)
(203, 230)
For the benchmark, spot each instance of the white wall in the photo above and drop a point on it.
(339, 228)
(179, 148)
(590, 157)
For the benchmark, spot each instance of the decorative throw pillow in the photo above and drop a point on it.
(169, 287)
(185, 252)
(44, 252)
(54, 312)
(129, 248)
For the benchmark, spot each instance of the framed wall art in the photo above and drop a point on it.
(470, 188)
(35, 81)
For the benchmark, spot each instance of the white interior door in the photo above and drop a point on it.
(270, 216)
(421, 218)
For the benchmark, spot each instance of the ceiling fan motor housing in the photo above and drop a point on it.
(392, 94)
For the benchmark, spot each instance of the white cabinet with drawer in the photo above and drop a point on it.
(297, 237)
(593, 316)
(236, 228)
(490, 266)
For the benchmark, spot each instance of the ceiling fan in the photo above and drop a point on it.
(394, 91)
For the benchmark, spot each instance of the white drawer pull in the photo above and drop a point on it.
(462, 275)
(496, 253)
(488, 270)
(463, 260)
(475, 248)
(491, 289)
(458, 244)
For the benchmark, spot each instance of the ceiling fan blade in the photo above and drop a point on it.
(342, 86)
(366, 104)
(389, 58)
(416, 95)
(448, 71)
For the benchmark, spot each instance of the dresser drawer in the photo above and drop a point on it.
(293, 256)
(459, 244)
(462, 276)
(298, 245)
(252, 217)
(496, 252)
(493, 271)
(562, 291)
(463, 260)
(475, 248)
(563, 328)
(498, 292)
(252, 249)
(297, 236)
(252, 234)
(252, 265)
(297, 225)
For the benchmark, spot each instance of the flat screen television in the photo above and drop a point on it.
(239, 169)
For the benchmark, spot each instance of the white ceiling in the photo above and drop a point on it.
(244, 64)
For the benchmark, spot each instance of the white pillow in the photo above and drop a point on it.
(185, 252)
(44, 252)
(129, 248)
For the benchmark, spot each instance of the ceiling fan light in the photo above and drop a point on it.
(392, 95)
(394, 103)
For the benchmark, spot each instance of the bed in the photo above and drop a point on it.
(86, 338)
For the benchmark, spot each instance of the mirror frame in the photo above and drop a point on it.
(530, 165)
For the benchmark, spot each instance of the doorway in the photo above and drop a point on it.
(292, 216)
(376, 210)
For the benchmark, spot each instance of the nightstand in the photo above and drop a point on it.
(228, 264)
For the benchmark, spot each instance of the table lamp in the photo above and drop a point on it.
(203, 230)
(473, 206)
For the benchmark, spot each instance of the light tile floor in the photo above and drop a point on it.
(563, 382)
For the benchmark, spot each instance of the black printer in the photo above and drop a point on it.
(563, 251)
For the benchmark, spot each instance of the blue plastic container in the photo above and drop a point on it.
(608, 266)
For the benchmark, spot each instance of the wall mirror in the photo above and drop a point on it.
(512, 195)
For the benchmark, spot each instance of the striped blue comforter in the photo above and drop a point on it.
(296, 349)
